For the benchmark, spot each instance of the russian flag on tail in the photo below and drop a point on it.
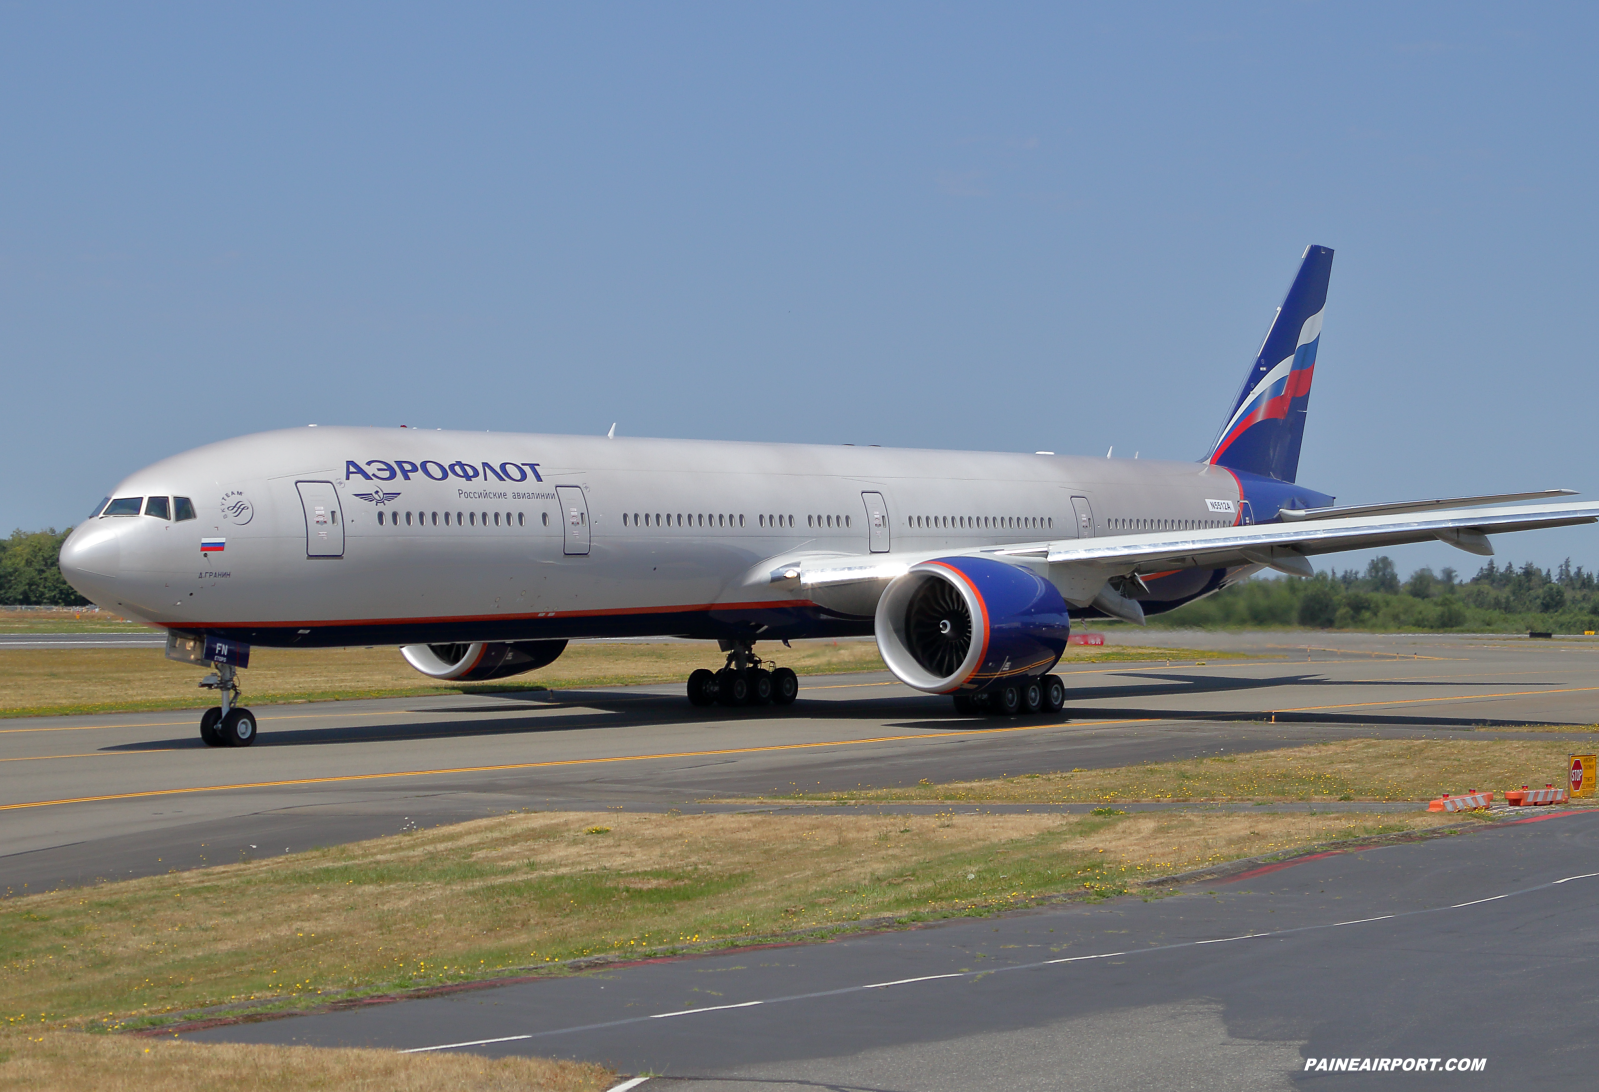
(1267, 423)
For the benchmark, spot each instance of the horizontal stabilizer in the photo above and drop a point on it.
(1296, 515)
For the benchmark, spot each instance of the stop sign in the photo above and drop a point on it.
(1576, 773)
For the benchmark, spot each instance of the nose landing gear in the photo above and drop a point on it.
(231, 725)
(746, 680)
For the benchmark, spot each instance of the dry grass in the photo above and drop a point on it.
(1359, 769)
(110, 1063)
(93, 680)
(64, 620)
(517, 893)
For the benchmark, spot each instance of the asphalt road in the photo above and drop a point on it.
(107, 797)
(1475, 946)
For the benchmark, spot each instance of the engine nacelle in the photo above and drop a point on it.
(481, 660)
(965, 623)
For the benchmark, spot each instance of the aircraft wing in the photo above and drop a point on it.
(1102, 571)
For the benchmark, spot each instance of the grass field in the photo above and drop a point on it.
(527, 892)
(1358, 769)
(500, 896)
(98, 680)
(64, 1061)
(63, 620)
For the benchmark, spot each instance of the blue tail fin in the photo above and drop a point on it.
(1267, 423)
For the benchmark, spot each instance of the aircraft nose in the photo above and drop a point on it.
(91, 558)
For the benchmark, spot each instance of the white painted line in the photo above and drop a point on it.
(908, 981)
(708, 1008)
(1080, 958)
(975, 975)
(631, 1082)
(474, 1042)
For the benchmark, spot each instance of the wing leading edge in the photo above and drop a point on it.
(1106, 572)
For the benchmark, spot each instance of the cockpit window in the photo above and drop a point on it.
(99, 507)
(158, 506)
(124, 506)
(183, 508)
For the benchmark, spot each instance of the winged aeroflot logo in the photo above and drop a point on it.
(377, 497)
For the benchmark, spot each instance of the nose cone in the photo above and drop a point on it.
(91, 558)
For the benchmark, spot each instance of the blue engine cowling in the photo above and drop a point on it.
(965, 623)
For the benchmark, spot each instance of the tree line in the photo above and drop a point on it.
(29, 571)
(1499, 599)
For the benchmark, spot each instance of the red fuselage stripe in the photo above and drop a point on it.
(607, 612)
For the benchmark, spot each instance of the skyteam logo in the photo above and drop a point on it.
(377, 497)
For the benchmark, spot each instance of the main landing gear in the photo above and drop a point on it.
(1038, 695)
(231, 725)
(746, 680)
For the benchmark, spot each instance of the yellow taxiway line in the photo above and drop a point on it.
(556, 762)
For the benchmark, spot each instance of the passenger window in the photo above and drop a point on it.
(182, 509)
(473, 517)
(546, 517)
(496, 519)
(124, 506)
(158, 506)
(521, 518)
(380, 517)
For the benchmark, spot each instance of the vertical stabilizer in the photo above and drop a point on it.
(1267, 423)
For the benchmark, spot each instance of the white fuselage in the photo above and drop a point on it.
(322, 536)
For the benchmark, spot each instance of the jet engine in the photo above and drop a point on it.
(481, 660)
(965, 623)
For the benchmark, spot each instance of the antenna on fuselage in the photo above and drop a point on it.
(612, 434)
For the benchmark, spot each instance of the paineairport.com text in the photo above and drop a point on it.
(1395, 1065)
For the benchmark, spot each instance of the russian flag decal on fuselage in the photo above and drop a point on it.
(212, 545)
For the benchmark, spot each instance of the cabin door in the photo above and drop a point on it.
(877, 521)
(324, 524)
(575, 517)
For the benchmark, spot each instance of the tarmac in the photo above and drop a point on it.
(1466, 946)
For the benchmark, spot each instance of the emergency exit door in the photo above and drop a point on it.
(877, 521)
(324, 523)
(1085, 517)
(574, 518)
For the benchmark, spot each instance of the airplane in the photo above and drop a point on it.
(482, 554)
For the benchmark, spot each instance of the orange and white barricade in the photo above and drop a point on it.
(1525, 797)
(1469, 802)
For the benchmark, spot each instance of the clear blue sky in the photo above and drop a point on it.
(1014, 227)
